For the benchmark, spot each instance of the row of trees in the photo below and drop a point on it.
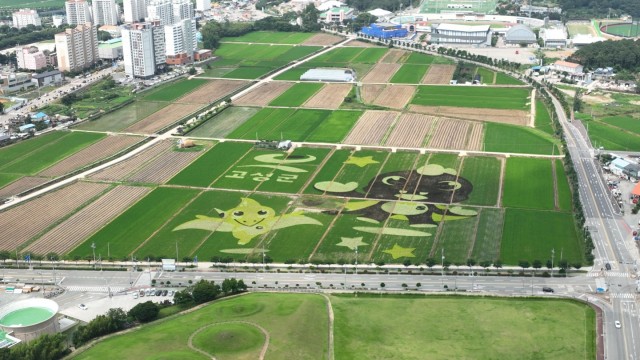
(205, 291)
(27, 35)
(50, 347)
(114, 320)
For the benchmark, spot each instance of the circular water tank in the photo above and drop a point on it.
(30, 318)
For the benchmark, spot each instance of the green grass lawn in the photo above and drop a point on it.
(564, 191)
(543, 119)
(532, 234)
(375, 327)
(224, 123)
(517, 139)
(418, 58)
(488, 76)
(271, 37)
(341, 55)
(247, 72)
(484, 175)
(172, 90)
(504, 79)
(6, 179)
(369, 55)
(475, 97)
(528, 183)
(286, 317)
(262, 52)
(628, 123)
(409, 74)
(297, 94)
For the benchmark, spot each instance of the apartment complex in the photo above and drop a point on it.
(181, 42)
(26, 17)
(203, 5)
(105, 12)
(134, 10)
(77, 12)
(31, 58)
(160, 10)
(182, 9)
(143, 48)
(77, 48)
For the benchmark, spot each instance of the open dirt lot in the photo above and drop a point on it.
(329, 97)
(163, 118)
(393, 56)
(100, 150)
(395, 96)
(381, 73)
(439, 74)
(452, 134)
(42, 212)
(322, 40)
(515, 117)
(369, 92)
(410, 130)
(164, 167)
(21, 185)
(69, 234)
(371, 127)
(264, 94)
(358, 43)
(474, 139)
(121, 170)
(213, 90)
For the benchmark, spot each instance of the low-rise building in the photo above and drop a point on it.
(385, 30)
(479, 35)
(30, 58)
(520, 34)
(202, 54)
(11, 82)
(47, 78)
(25, 17)
(337, 15)
(568, 67)
(110, 49)
(554, 37)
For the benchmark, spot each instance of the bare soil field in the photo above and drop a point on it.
(395, 96)
(122, 169)
(322, 39)
(21, 223)
(515, 117)
(329, 97)
(163, 118)
(475, 137)
(410, 130)
(21, 185)
(264, 94)
(371, 127)
(164, 167)
(439, 74)
(393, 56)
(70, 233)
(381, 73)
(370, 92)
(450, 134)
(213, 90)
(100, 150)
(358, 43)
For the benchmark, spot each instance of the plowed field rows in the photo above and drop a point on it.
(122, 169)
(164, 167)
(439, 74)
(213, 90)
(450, 134)
(410, 130)
(19, 224)
(515, 117)
(371, 127)
(381, 73)
(21, 185)
(263, 95)
(163, 118)
(395, 96)
(358, 43)
(66, 236)
(329, 97)
(393, 56)
(475, 137)
(322, 40)
(100, 150)
(370, 92)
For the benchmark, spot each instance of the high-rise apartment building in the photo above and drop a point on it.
(143, 48)
(26, 17)
(134, 10)
(105, 12)
(182, 9)
(77, 12)
(203, 5)
(180, 41)
(160, 10)
(77, 48)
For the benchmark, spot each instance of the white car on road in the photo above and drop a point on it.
(618, 325)
(83, 306)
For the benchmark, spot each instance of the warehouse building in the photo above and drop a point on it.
(385, 31)
(520, 34)
(479, 35)
(333, 75)
(554, 38)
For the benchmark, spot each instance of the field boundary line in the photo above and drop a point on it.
(230, 166)
(324, 85)
(532, 112)
(126, 177)
(331, 354)
(503, 169)
(329, 227)
(338, 172)
(436, 240)
(386, 158)
(165, 223)
(434, 123)
(556, 201)
(475, 234)
(265, 345)
(313, 176)
(390, 128)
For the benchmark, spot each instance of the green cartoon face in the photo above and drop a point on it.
(249, 213)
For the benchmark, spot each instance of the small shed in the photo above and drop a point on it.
(168, 265)
(26, 128)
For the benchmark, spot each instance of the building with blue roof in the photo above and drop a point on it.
(385, 31)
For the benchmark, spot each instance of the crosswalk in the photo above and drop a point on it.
(95, 289)
(608, 274)
(622, 296)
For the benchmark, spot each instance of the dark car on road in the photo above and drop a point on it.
(547, 289)
(158, 292)
(164, 292)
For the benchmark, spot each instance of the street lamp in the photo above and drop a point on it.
(553, 253)
(93, 248)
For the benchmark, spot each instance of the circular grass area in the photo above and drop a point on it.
(240, 309)
(230, 341)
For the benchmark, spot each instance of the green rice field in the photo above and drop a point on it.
(409, 74)
(475, 97)
(528, 183)
(516, 139)
(172, 90)
(271, 37)
(297, 94)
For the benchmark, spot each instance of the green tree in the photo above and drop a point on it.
(144, 312)
(431, 262)
(204, 291)
(192, 70)
(309, 17)
(182, 297)
(104, 35)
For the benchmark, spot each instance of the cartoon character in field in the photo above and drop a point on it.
(414, 192)
(247, 220)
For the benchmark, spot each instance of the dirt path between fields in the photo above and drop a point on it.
(556, 203)
(532, 122)
(503, 166)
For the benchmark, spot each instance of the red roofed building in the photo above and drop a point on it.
(569, 67)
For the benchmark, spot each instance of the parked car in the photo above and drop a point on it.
(135, 295)
(158, 292)
(165, 292)
(83, 307)
(141, 293)
(607, 266)
(547, 289)
(618, 325)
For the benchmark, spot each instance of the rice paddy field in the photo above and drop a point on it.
(364, 327)
(612, 120)
(475, 97)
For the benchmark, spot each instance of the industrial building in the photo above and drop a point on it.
(520, 34)
(479, 35)
(11, 82)
(110, 49)
(554, 37)
(385, 31)
(47, 78)
(27, 319)
(333, 75)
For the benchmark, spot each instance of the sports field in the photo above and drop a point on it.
(271, 37)
(623, 29)
(366, 327)
(33, 4)
(444, 6)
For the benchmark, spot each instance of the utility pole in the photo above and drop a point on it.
(553, 253)
(93, 248)
(356, 260)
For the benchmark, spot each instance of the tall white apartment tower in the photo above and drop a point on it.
(180, 41)
(203, 5)
(77, 12)
(142, 49)
(105, 12)
(134, 10)
(182, 9)
(26, 17)
(77, 48)
(160, 10)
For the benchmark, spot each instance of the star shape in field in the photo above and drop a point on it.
(398, 251)
(361, 161)
(352, 243)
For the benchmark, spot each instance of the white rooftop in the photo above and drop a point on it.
(465, 28)
(554, 34)
(379, 12)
